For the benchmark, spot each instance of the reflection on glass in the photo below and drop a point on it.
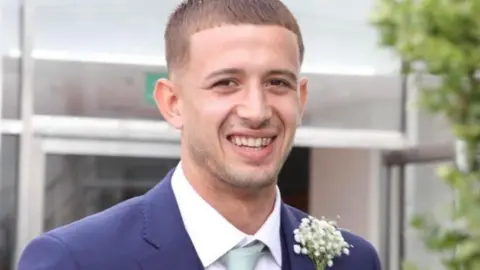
(8, 199)
(354, 102)
(95, 90)
(77, 186)
(126, 91)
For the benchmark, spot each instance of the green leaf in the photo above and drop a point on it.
(409, 266)
(444, 36)
(467, 250)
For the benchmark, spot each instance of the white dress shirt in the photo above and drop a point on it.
(213, 236)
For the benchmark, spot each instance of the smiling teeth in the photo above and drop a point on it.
(250, 141)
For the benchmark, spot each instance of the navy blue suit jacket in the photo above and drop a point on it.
(147, 233)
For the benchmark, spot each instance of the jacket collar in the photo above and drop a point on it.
(164, 230)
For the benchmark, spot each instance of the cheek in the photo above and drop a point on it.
(217, 109)
(207, 112)
(289, 110)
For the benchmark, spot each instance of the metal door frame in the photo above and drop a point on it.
(395, 174)
(32, 223)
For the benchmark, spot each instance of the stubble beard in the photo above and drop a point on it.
(233, 177)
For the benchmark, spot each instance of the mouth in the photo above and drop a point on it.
(250, 142)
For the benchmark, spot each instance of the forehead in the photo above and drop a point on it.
(244, 47)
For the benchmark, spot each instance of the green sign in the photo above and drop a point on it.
(150, 82)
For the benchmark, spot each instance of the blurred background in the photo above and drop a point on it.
(80, 132)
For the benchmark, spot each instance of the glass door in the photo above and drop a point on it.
(77, 177)
(80, 185)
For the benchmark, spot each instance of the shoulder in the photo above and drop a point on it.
(125, 217)
(113, 233)
(362, 254)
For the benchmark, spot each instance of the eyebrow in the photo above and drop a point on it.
(232, 71)
(225, 71)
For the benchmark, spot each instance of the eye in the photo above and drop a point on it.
(225, 83)
(279, 83)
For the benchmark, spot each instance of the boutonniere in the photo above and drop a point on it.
(321, 241)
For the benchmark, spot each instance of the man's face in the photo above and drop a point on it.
(240, 100)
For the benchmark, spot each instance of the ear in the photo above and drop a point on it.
(302, 95)
(168, 102)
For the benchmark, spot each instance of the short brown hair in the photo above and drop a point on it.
(192, 16)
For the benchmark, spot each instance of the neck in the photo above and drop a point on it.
(246, 209)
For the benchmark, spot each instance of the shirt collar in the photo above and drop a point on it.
(269, 233)
(211, 234)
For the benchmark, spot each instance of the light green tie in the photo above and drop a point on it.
(244, 258)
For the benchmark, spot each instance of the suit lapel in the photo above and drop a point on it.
(171, 246)
(290, 222)
(165, 232)
(286, 265)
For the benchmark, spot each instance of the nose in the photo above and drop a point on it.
(255, 110)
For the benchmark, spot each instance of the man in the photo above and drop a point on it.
(235, 94)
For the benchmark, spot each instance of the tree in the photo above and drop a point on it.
(439, 42)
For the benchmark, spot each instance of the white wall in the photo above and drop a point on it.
(345, 182)
(372, 114)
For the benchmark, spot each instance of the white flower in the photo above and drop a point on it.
(320, 240)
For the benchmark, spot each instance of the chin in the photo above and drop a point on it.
(252, 184)
(252, 178)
